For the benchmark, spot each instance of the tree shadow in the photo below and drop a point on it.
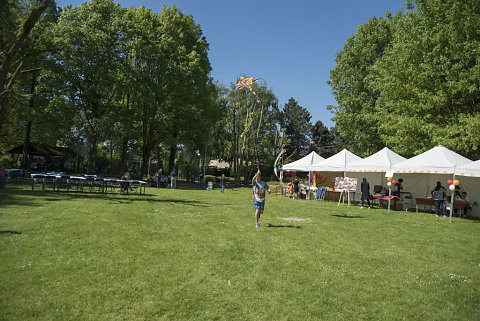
(27, 197)
(284, 226)
(9, 232)
(347, 216)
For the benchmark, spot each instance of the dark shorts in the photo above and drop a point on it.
(258, 205)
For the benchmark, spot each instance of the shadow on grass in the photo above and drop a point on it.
(287, 226)
(9, 232)
(347, 216)
(27, 197)
(196, 187)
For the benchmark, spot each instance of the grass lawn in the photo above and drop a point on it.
(192, 254)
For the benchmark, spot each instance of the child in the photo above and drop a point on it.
(259, 188)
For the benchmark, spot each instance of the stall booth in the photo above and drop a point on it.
(420, 174)
(332, 167)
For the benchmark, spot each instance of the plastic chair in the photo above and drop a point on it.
(405, 202)
(377, 189)
(321, 193)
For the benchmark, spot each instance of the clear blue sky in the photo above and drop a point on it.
(290, 44)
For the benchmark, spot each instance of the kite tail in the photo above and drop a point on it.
(258, 98)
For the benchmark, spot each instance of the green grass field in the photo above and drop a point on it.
(190, 254)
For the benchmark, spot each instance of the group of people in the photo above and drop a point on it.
(439, 194)
(159, 180)
(396, 192)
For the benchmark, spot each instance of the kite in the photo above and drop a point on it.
(247, 82)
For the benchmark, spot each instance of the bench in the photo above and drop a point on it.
(457, 204)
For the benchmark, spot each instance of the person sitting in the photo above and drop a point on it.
(466, 199)
(125, 186)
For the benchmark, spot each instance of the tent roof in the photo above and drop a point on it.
(336, 163)
(41, 149)
(381, 161)
(303, 164)
(470, 169)
(438, 160)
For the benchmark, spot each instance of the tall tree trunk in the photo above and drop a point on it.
(26, 146)
(123, 156)
(171, 160)
(110, 163)
(26, 142)
(92, 154)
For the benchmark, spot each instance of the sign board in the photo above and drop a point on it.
(345, 183)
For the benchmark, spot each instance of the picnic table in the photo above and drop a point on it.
(83, 182)
(457, 204)
(385, 198)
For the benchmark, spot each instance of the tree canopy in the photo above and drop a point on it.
(411, 81)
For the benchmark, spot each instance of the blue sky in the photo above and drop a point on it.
(290, 44)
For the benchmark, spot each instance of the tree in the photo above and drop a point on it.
(411, 82)
(322, 140)
(429, 80)
(249, 128)
(296, 121)
(85, 58)
(13, 58)
(351, 86)
(189, 109)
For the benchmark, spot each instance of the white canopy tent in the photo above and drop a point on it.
(381, 161)
(303, 164)
(373, 167)
(471, 170)
(438, 160)
(336, 163)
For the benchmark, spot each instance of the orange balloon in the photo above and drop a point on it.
(456, 182)
(389, 179)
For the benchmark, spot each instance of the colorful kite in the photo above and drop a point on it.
(247, 82)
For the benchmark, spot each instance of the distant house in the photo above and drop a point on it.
(217, 163)
(46, 157)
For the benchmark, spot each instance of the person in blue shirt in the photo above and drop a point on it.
(259, 189)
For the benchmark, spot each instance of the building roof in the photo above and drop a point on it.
(41, 149)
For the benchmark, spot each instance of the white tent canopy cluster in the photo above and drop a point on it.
(420, 173)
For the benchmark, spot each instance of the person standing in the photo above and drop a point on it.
(173, 174)
(296, 187)
(365, 188)
(259, 189)
(222, 183)
(201, 176)
(439, 193)
(396, 191)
